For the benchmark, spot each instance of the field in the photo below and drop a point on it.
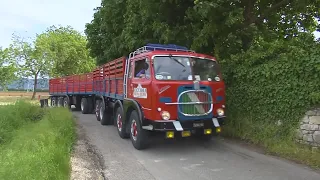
(22, 93)
(11, 96)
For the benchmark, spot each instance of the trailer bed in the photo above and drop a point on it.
(105, 80)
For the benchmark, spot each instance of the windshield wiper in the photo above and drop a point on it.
(170, 56)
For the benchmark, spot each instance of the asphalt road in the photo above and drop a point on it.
(185, 160)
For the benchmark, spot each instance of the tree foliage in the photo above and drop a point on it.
(29, 60)
(65, 49)
(271, 82)
(219, 27)
(7, 67)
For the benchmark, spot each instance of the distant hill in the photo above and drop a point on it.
(43, 84)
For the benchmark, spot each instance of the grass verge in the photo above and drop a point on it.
(264, 135)
(35, 143)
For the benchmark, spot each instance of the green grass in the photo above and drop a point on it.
(272, 139)
(35, 143)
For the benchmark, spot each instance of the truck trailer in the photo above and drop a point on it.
(158, 88)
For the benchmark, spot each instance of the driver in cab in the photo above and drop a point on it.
(142, 72)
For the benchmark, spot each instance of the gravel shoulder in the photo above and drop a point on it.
(86, 161)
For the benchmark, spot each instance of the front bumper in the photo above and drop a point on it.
(172, 125)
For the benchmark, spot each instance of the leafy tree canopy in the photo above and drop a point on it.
(7, 67)
(219, 27)
(65, 49)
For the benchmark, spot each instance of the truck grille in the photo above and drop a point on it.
(195, 103)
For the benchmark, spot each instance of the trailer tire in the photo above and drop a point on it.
(139, 137)
(85, 106)
(66, 103)
(60, 102)
(119, 123)
(97, 110)
(53, 101)
(105, 118)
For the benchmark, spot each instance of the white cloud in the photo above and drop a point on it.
(28, 17)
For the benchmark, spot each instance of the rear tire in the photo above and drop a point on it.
(139, 137)
(53, 101)
(97, 110)
(105, 118)
(85, 106)
(66, 103)
(60, 101)
(120, 124)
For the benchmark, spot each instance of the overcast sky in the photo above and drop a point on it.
(28, 17)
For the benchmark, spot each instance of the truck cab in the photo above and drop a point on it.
(177, 91)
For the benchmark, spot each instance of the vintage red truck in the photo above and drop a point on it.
(163, 88)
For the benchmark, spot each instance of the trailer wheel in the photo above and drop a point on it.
(85, 106)
(120, 124)
(53, 101)
(66, 103)
(105, 118)
(60, 102)
(97, 110)
(138, 136)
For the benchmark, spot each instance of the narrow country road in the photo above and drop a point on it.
(185, 160)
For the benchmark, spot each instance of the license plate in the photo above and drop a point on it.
(198, 124)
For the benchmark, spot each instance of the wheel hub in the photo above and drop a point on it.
(119, 122)
(97, 110)
(101, 112)
(82, 106)
(134, 130)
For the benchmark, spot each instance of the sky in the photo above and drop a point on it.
(29, 17)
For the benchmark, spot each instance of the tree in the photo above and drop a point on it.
(30, 60)
(65, 49)
(218, 27)
(7, 68)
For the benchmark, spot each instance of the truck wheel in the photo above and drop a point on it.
(138, 136)
(66, 103)
(53, 101)
(60, 102)
(85, 106)
(121, 126)
(97, 110)
(105, 118)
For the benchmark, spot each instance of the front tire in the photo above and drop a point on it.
(120, 124)
(138, 136)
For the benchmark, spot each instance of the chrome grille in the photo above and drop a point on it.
(195, 103)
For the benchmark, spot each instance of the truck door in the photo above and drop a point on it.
(139, 88)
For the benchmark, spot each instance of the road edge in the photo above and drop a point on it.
(86, 161)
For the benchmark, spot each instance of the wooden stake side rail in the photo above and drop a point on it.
(105, 80)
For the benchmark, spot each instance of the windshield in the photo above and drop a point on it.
(185, 68)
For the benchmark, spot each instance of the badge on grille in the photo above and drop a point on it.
(196, 85)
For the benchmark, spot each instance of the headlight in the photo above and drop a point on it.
(165, 115)
(220, 112)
